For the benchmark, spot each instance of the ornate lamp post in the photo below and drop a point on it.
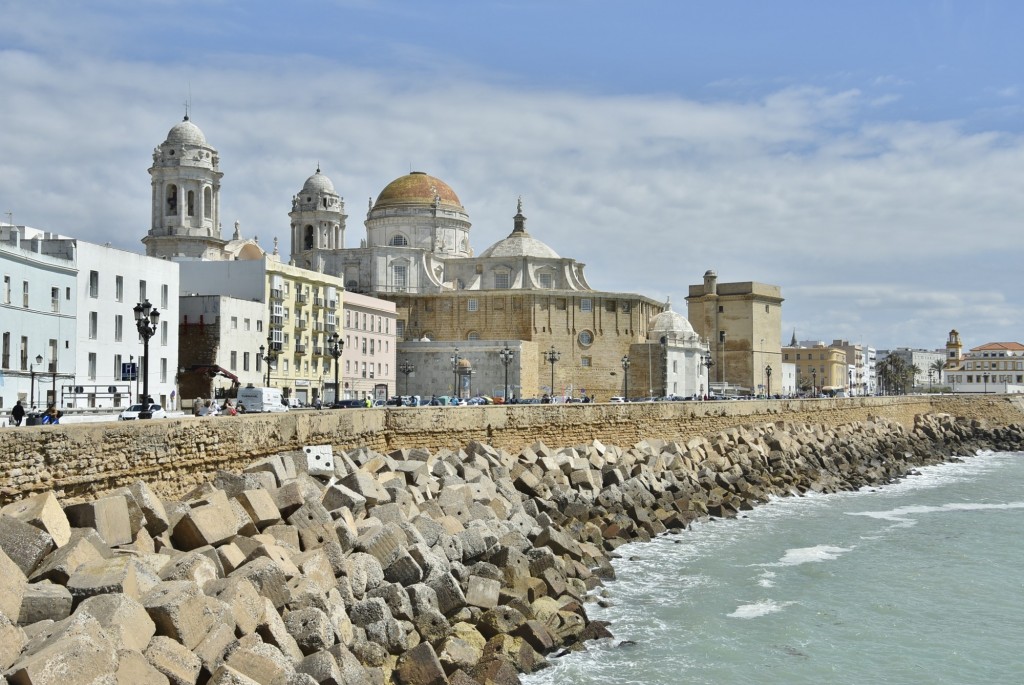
(985, 376)
(708, 362)
(814, 381)
(336, 346)
(625, 377)
(768, 378)
(268, 356)
(406, 367)
(32, 383)
(455, 359)
(552, 356)
(506, 355)
(146, 320)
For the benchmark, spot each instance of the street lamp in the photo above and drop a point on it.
(146, 320)
(552, 356)
(268, 357)
(455, 359)
(406, 367)
(32, 383)
(625, 377)
(814, 381)
(506, 355)
(708, 362)
(931, 377)
(985, 376)
(337, 345)
(768, 377)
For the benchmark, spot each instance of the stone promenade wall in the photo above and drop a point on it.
(81, 461)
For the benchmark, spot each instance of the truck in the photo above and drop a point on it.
(254, 400)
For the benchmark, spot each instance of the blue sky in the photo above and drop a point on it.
(867, 157)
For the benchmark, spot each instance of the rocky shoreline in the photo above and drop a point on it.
(413, 567)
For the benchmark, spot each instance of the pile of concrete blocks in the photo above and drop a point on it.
(413, 568)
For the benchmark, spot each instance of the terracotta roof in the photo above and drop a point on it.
(417, 188)
(1008, 346)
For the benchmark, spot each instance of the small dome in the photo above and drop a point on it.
(318, 183)
(520, 245)
(670, 322)
(187, 133)
(417, 188)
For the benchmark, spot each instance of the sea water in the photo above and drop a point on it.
(918, 582)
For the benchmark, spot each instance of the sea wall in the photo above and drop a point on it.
(81, 461)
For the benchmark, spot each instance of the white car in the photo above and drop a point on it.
(617, 399)
(132, 412)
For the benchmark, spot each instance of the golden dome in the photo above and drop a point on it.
(417, 188)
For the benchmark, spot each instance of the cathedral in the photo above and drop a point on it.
(455, 310)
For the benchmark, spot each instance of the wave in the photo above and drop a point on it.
(810, 555)
(758, 609)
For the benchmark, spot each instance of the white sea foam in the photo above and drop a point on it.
(758, 609)
(904, 514)
(808, 555)
(767, 579)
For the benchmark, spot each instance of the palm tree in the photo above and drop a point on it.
(892, 372)
(912, 372)
(938, 366)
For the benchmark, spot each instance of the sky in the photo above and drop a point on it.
(867, 157)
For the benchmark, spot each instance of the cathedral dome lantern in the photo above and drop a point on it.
(419, 211)
(519, 243)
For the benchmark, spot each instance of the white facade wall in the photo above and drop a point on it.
(111, 282)
(787, 379)
(368, 360)
(241, 334)
(39, 324)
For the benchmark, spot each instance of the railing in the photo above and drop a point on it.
(277, 293)
(318, 351)
(318, 302)
(276, 320)
(301, 298)
(300, 348)
(301, 324)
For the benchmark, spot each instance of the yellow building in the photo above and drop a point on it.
(819, 368)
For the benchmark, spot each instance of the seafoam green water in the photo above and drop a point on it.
(920, 582)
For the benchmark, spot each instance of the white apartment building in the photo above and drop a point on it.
(368, 360)
(37, 319)
(996, 367)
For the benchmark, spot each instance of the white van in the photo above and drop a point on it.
(256, 400)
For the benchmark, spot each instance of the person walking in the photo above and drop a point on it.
(18, 413)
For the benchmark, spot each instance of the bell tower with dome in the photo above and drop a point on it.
(185, 220)
(317, 221)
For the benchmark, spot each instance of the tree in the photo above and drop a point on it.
(938, 366)
(910, 377)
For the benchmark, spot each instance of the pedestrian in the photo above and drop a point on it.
(18, 413)
(369, 402)
(52, 414)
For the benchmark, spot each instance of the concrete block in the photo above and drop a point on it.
(267, 577)
(366, 485)
(338, 496)
(108, 515)
(241, 596)
(133, 668)
(289, 497)
(12, 587)
(420, 666)
(12, 641)
(386, 544)
(280, 555)
(208, 524)
(44, 601)
(456, 653)
(311, 628)
(260, 506)
(482, 592)
(316, 565)
(175, 661)
(122, 618)
(262, 663)
(281, 534)
(179, 610)
(77, 652)
(42, 511)
(450, 598)
(282, 469)
(274, 632)
(194, 566)
(117, 574)
(23, 543)
(323, 668)
(243, 522)
(225, 675)
(231, 557)
(214, 648)
(319, 460)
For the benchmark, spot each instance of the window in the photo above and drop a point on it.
(372, 341)
(586, 304)
(55, 300)
(501, 280)
(163, 369)
(721, 338)
(546, 280)
(142, 291)
(119, 288)
(247, 324)
(234, 323)
(259, 325)
(94, 284)
(721, 309)
(473, 335)
(117, 367)
(163, 296)
(93, 325)
(399, 277)
(586, 338)
(5, 360)
(163, 332)
(400, 328)
(626, 307)
(233, 364)
(585, 362)
(7, 289)
(24, 353)
(191, 202)
(472, 305)
(92, 366)
(24, 294)
(118, 327)
(398, 241)
(364, 370)
(245, 361)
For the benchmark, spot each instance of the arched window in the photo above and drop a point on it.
(472, 335)
(307, 240)
(172, 199)
(398, 240)
(207, 202)
(191, 203)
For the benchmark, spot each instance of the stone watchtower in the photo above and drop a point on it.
(954, 350)
(185, 221)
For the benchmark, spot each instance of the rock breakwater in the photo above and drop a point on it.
(410, 567)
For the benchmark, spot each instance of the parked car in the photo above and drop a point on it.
(132, 412)
(617, 399)
(349, 404)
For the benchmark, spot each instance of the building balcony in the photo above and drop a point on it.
(301, 298)
(318, 302)
(276, 294)
(301, 324)
(318, 351)
(276, 320)
(300, 348)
